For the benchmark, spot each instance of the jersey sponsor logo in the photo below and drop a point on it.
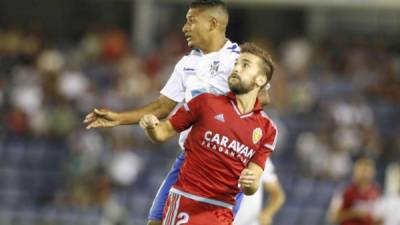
(188, 69)
(222, 144)
(257, 135)
(214, 68)
(220, 117)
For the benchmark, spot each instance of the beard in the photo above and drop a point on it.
(239, 87)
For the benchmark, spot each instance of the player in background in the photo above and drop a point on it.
(227, 148)
(251, 211)
(356, 204)
(205, 69)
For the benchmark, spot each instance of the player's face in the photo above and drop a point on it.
(245, 73)
(196, 28)
(363, 172)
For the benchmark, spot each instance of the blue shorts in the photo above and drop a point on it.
(157, 208)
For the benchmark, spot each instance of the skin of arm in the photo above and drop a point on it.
(250, 178)
(101, 118)
(276, 199)
(155, 130)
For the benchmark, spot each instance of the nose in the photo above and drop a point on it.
(235, 69)
(185, 28)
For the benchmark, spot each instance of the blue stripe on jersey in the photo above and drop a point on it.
(233, 47)
(157, 208)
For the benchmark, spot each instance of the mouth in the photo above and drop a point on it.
(234, 76)
(188, 37)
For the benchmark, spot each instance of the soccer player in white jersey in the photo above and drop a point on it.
(251, 211)
(205, 69)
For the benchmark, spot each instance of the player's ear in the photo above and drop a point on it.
(213, 23)
(261, 80)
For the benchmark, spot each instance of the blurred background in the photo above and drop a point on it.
(335, 97)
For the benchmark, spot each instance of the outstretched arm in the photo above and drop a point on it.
(101, 118)
(155, 130)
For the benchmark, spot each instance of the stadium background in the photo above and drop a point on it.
(335, 96)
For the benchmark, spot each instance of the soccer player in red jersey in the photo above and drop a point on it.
(227, 148)
(356, 204)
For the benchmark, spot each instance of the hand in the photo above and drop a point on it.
(247, 178)
(148, 121)
(101, 118)
(265, 219)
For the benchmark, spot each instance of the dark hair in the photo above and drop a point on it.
(268, 64)
(208, 3)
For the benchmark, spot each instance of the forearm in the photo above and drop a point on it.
(161, 132)
(159, 108)
(274, 204)
(134, 116)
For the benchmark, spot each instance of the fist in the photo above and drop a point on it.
(148, 121)
(247, 178)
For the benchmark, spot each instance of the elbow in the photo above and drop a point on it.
(281, 197)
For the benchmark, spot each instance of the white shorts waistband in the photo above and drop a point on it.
(202, 199)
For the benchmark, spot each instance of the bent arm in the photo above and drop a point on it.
(276, 198)
(161, 132)
(160, 108)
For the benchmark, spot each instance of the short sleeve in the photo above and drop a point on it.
(271, 137)
(188, 114)
(267, 146)
(174, 89)
(261, 157)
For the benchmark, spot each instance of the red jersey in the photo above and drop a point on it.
(353, 198)
(220, 145)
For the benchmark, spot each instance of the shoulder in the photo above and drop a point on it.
(268, 123)
(349, 190)
(187, 61)
(232, 48)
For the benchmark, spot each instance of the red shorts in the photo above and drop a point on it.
(180, 210)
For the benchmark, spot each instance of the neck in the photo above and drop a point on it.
(215, 44)
(246, 102)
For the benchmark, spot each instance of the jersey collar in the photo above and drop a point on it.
(227, 45)
(257, 106)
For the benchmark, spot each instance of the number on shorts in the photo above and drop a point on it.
(182, 218)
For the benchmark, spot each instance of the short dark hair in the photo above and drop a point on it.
(266, 58)
(208, 4)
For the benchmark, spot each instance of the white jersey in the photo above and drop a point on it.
(251, 205)
(387, 209)
(198, 73)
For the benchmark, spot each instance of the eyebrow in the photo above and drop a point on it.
(246, 60)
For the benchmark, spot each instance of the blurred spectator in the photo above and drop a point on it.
(356, 203)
